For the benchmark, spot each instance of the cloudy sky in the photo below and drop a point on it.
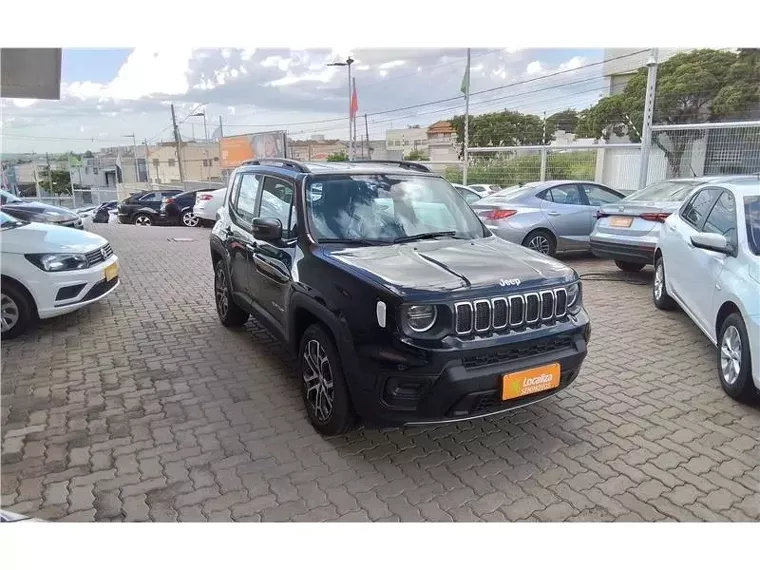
(107, 94)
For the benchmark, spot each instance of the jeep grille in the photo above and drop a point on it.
(491, 315)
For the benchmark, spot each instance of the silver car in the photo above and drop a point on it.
(546, 216)
(627, 232)
(470, 196)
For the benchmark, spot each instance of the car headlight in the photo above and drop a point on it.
(51, 217)
(574, 298)
(420, 318)
(58, 261)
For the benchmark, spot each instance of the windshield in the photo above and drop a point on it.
(7, 222)
(665, 191)
(388, 208)
(752, 215)
(8, 198)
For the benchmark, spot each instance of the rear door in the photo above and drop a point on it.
(568, 215)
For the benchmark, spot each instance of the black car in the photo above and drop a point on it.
(402, 306)
(144, 208)
(30, 211)
(179, 209)
(101, 212)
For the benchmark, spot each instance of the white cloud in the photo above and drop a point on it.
(24, 102)
(534, 68)
(572, 63)
(392, 64)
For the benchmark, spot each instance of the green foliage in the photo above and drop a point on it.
(566, 120)
(417, 155)
(60, 179)
(338, 157)
(88, 154)
(507, 128)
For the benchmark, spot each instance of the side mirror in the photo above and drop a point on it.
(267, 229)
(712, 242)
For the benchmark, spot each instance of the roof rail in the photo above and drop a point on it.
(402, 163)
(285, 162)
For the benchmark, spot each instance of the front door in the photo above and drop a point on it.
(568, 215)
(238, 235)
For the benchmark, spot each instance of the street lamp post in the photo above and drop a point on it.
(134, 155)
(347, 64)
(205, 130)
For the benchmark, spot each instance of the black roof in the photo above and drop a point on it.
(353, 167)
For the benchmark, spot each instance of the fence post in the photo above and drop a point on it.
(544, 153)
(646, 134)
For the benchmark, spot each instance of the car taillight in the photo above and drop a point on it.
(205, 197)
(659, 217)
(498, 214)
(169, 201)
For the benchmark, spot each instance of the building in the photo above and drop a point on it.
(200, 161)
(441, 142)
(315, 148)
(407, 140)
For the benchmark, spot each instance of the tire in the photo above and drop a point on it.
(541, 241)
(188, 219)
(323, 380)
(733, 352)
(230, 314)
(629, 267)
(142, 220)
(660, 296)
(17, 311)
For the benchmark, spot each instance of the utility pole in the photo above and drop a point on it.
(134, 154)
(147, 161)
(466, 89)
(178, 143)
(49, 174)
(221, 136)
(366, 132)
(646, 135)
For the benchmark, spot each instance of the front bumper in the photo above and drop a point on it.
(641, 252)
(450, 386)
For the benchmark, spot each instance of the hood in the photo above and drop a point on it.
(49, 238)
(18, 209)
(451, 266)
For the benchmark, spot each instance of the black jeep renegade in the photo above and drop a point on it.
(402, 306)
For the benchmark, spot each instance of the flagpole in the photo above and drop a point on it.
(466, 118)
(353, 113)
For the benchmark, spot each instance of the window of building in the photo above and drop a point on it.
(172, 162)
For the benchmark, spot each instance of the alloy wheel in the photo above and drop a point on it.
(731, 355)
(189, 220)
(540, 244)
(659, 281)
(220, 293)
(9, 313)
(143, 221)
(317, 376)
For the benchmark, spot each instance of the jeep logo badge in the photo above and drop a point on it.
(509, 282)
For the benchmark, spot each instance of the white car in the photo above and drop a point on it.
(485, 189)
(207, 204)
(50, 270)
(707, 260)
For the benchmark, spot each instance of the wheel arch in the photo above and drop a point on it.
(16, 283)
(726, 309)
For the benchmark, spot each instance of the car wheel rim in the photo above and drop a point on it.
(731, 355)
(317, 377)
(142, 221)
(9, 313)
(220, 289)
(659, 281)
(540, 244)
(189, 220)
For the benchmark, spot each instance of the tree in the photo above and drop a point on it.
(88, 154)
(417, 155)
(60, 179)
(566, 120)
(507, 128)
(340, 156)
(693, 87)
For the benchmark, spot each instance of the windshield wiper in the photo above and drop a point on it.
(428, 235)
(350, 241)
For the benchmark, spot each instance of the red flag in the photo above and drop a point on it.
(354, 102)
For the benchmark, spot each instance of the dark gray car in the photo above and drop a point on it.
(31, 211)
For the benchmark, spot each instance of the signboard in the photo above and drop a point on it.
(235, 150)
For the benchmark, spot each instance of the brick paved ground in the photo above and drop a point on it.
(143, 407)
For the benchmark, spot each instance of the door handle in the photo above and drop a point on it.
(554, 214)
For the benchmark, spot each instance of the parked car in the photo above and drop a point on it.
(485, 189)
(85, 213)
(100, 215)
(546, 216)
(470, 196)
(402, 306)
(707, 260)
(178, 210)
(144, 208)
(9, 517)
(627, 231)
(32, 211)
(49, 270)
(207, 204)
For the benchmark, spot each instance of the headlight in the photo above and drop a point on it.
(574, 298)
(51, 217)
(58, 261)
(420, 318)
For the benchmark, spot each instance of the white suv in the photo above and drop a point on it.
(707, 260)
(50, 270)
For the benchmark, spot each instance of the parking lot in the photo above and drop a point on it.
(143, 407)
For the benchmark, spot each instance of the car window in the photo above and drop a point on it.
(696, 208)
(598, 196)
(565, 194)
(752, 218)
(722, 218)
(469, 196)
(7, 197)
(245, 201)
(149, 197)
(277, 202)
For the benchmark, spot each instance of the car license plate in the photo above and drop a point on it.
(621, 221)
(112, 271)
(526, 382)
